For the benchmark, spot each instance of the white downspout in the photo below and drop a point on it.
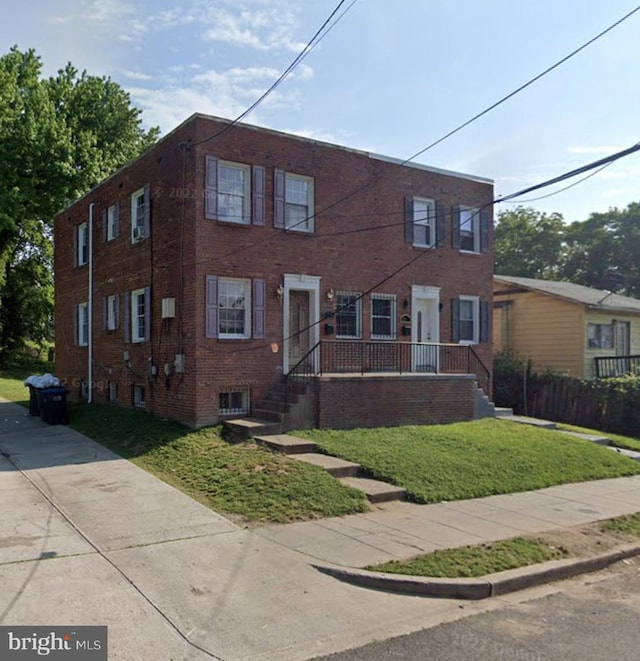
(90, 306)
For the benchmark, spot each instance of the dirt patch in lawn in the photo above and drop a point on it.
(586, 540)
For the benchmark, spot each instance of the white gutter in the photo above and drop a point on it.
(90, 308)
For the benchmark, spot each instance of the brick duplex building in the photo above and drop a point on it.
(195, 278)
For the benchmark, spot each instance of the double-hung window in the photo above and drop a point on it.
(234, 305)
(348, 315)
(140, 315)
(424, 226)
(469, 229)
(233, 402)
(233, 190)
(294, 203)
(113, 221)
(83, 324)
(383, 316)
(469, 320)
(82, 244)
(112, 309)
(235, 308)
(140, 201)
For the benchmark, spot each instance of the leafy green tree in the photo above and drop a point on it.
(603, 251)
(529, 243)
(59, 137)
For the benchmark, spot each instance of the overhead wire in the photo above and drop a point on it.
(373, 179)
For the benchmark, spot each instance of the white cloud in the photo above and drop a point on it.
(136, 75)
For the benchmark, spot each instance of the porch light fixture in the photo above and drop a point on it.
(280, 292)
(330, 295)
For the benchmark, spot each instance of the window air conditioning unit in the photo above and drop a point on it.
(168, 308)
(138, 233)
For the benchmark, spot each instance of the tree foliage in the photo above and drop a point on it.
(529, 243)
(58, 138)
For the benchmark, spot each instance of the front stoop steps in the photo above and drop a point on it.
(346, 472)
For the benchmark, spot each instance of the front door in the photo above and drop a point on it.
(299, 331)
(426, 330)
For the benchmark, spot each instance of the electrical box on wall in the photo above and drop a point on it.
(168, 308)
(179, 363)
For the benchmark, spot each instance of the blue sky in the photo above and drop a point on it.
(391, 77)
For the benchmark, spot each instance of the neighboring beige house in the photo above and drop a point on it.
(576, 330)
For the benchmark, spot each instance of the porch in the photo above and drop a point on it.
(610, 366)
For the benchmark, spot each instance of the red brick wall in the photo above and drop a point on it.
(185, 247)
(391, 401)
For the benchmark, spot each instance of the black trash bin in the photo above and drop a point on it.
(53, 405)
(34, 400)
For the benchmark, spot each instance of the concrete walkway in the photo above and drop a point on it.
(88, 538)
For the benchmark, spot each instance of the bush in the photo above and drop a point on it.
(512, 375)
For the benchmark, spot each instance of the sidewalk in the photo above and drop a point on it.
(88, 538)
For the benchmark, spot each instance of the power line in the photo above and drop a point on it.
(527, 84)
(320, 34)
(433, 144)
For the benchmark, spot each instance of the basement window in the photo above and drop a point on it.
(233, 402)
(138, 396)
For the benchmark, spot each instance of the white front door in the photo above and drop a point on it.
(301, 318)
(425, 329)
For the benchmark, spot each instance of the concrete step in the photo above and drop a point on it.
(333, 465)
(534, 422)
(270, 416)
(375, 491)
(285, 443)
(593, 438)
(632, 454)
(503, 411)
(244, 428)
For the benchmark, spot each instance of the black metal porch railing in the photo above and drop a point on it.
(360, 357)
(609, 366)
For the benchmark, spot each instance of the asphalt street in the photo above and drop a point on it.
(589, 619)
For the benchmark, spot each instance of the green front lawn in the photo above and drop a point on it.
(241, 480)
(472, 459)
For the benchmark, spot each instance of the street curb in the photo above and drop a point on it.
(491, 585)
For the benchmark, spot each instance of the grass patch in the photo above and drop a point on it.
(15, 372)
(616, 439)
(242, 480)
(473, 561)
(472, 459)
(623, 525)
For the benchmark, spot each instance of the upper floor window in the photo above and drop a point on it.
(82, 244)
(140, 214)
(293, 201)
(471, 229)
(112, 222)
(383, 316)
(234, 192)
(348, 315)
(423, 222)
(469, 234)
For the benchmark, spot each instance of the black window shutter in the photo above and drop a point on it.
(484, 321)
(147, 314)
(147, 210)
(211, 187)
(104, 225)
(455, 228)
(455, 320)
(484, 230)
(211, 309)
(259, 299)
(408, 219)
(440, 225)
(258, 195)
(278, 198)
